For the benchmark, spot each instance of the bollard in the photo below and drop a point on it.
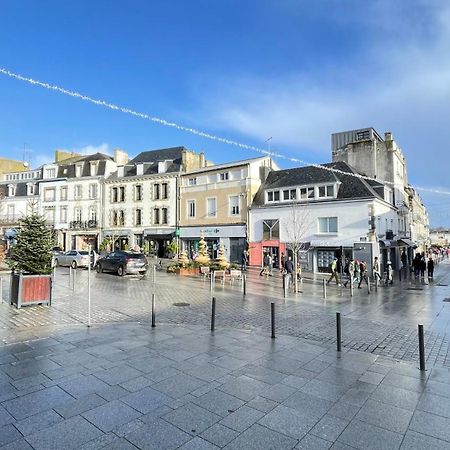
(70, 277)
(421, 348)
(368, 285)
(284, 286)
(213, 313)
(376, 283)
(211, 281)
(89, 292)
(324, 286)
(272, 319)
(244, 284)
(338, 332)
(154, 274)
(1, 288)
(351, 287)
(153, 311)
(400, 275)
(74, 278)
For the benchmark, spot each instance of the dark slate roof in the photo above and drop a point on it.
(153, 156)
(98, 157)
(351, 187)
(86, 172)
(21, 188)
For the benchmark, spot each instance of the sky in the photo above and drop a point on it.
(291, 70)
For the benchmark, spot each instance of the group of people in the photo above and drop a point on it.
(420, 265)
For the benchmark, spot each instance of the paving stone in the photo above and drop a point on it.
(5, 417)
(121, 444)
(343, 410)
(219, 435)
(36, 402)
(198, 444)
(244, 388)
(80, 405)
(113, 392)
(263, 374)
(437, 388)
(219, 402)
(278, 392)
(417, 441)
(136, 384)
(355, 396)
(163, 373)
(434, 404)
(404, 382)
(242, 418)
(364, 436)
(118, 374)
(311, 442)
(20, 444)
(158, 435)
(111, 415)
(324, 390)
(8, 433)
(207, 372)
(69, 434)
(431, 425)
(83, 385)
(288, 421)
(38, 421)
(178, 385)
(260, 438)
(228, 362)
(329, 427)
(192, 418)
(146, 400)
(295, 381)
(396, 396)
(262, 404)
(314, 406)
(372, 378)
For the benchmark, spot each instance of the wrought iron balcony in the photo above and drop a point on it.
(83, 224)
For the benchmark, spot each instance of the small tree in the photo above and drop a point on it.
(32, 252)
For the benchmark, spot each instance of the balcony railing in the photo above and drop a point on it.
(11, 219)
(83, 225)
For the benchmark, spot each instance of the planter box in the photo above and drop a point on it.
(187, 271)
(30, 289)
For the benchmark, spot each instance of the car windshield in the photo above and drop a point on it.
(135, 256)
(83, 252)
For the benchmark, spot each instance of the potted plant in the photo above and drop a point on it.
(31, 263)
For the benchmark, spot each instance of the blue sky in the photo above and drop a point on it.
(293, 70)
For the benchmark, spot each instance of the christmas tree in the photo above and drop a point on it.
(203, 257)
(183, 258)
(32, 252)
(222, 258)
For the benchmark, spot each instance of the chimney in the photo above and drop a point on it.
(202, 160)
(388, 136)
(120, 157)
(140, 169)
(120, 171)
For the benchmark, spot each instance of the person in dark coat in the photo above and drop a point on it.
(289, 268)
(423, 265)
(430, 267)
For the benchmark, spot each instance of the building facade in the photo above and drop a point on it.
(214, 203)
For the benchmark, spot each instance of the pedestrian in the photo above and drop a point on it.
(404, 259)
(389, 274)
(430, 267)
(357, 272)
(283, 261)
(244, 260)
(376, 269)
(423, 265)
(363, 274)
(334, 272)
(289, 271)
(270, 265)
(265, 268)
(350, 272)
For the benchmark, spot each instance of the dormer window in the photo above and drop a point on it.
(50, 173)
(273, 196)
(78, 170)
(94, 166)
(326, 191)
(289, 194)
(224, 176)
(11, 190)
(307, 193)
(30, 189)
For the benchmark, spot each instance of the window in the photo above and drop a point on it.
(164, 216)
(234, 205)
(156, 216)
(326, 191)
(114, 197)
(92, 191)
(138, 217)
(77, 214)
(93, 213)
(289, 194)
(138, 192)
(63, 193)
(78, 191)
(224, 176)
(306, 193)
(78, 169)
(156, 191)
(11, 212)
(211, 207)
(30, 189)
(328, 224)
(63, 214)
(271, 229)
(122, 194)
(50, 215)
(12, 190)
(50, 173)
(49, 194)
(191, 208)
(118, 218)
(192, 181)
(273, 196)
(165, 190)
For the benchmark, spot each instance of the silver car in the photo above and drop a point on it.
(73, 258)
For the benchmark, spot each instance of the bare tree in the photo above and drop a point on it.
(297, 226)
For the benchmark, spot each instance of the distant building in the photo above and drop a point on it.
(440, 236)
(11, 165)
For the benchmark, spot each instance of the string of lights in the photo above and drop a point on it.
(196, 132)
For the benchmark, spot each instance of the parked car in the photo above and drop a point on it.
(73, 258)
(122, 263)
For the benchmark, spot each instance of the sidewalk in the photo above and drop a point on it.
(129, 386)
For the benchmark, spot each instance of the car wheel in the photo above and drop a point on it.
(74, 265)
(98, 268)
(120, 271)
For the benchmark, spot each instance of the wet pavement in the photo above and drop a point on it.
(123, 384)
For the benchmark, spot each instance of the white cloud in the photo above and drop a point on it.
(90, 149)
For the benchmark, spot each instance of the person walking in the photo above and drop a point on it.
(289, 269)
(423, 265)
(376, 269)
(351, 273)
(244, 260)
(363, 274)
(334, 272)
(265, 269)
(389, 274)
(430, 267)
(270, 265)
(283, 261)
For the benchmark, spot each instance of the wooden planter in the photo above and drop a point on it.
(187, 271)
(30, 289)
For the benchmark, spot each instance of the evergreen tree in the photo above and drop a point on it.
(33, 251)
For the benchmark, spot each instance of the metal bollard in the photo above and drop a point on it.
(244, 284)
(324, 286)
(338, 332)
(400, 275)
(284, 286)
(368, 285)
(211, 281)
(154, 274)
(421, 348)
(89, 293)
(213, 313)
(376, 283)
(153, 311)
(70, 277)
(74, 278)
(272, 319)
(351, 288)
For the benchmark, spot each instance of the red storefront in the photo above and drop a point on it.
(257, 250)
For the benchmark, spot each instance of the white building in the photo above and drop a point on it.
(322, 211)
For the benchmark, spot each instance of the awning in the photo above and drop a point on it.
(407, 242)
(159, 231)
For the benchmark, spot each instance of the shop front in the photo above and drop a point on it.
(232, 237)
(323, 252)
(117, 239)
(156, 240)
